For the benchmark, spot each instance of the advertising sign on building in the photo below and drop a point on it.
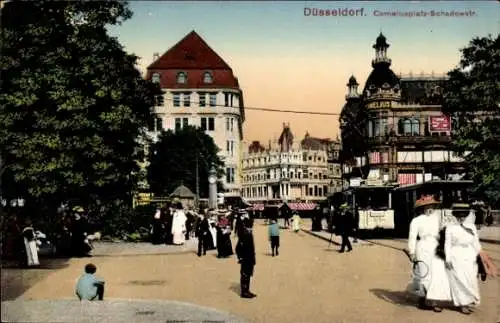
(440, 123)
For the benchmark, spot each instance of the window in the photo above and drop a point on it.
(310, 191)
(415, 127)
(181, 78)
(232, 124)
(158, 124)
(203, 124)
(185, 122)
(230, 175)
(228, 124)
(207, 78)
(156, 78)
(202, 99)
(178, 124)
(407, 127)
(177, 100)
(228, 146)
(213, 99)
(187, 99)
(226, 99)
(211, 124)
(232, 148)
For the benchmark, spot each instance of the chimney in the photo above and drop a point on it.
(156, 56)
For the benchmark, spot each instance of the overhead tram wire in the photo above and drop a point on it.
(207, 105)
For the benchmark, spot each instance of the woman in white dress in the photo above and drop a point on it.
(461, 250)
(432, 281)
(179, 225)
(296, 222)
(30, 245)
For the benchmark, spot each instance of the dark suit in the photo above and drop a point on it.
(245, 250)
(346, 226)
(203, 233)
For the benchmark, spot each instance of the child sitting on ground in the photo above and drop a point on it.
(89, 287)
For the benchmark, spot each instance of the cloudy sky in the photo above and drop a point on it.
(285, 59)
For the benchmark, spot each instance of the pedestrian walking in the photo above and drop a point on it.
(461, 249)
(274, 237)
(29, 246)
(89, 287)
(158, 230)
(430, 278)
(345, 227)
(179, 225)
(296, 222)
(245, 250)
(203, 234)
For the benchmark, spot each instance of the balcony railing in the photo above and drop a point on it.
(392, 140)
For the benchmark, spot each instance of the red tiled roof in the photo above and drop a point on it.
(193, 56)
(191, 52)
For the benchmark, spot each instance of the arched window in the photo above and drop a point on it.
(370, 128)
(407, 127)
(181, 78)
(415, 127)
(155, 78)
(207, 78)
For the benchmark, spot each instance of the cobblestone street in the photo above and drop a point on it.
(308, 282)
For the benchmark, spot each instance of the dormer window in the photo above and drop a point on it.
(396, 88)
(207, 78)
(371, 87)
(155, 78)
(386, 85)
(181, 78)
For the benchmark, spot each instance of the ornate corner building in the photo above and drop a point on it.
(289, 170)
(201, 90)
(397, 120)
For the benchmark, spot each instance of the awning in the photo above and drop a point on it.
(258, 207)
(302, 206)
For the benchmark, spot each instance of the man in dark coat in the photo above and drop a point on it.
(203, 233)
(345, 227)
(245, 250)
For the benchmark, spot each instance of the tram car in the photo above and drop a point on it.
(387, 210)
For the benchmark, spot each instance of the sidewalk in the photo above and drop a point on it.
(490, 234)
(113, 311)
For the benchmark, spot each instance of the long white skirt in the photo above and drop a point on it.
(179, 237)
(213, 232)
(31, 252)
(435, 281)
(463, 277)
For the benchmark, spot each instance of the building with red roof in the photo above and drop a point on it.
(200, 89)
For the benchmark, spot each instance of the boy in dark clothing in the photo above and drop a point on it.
(245, 250)
(346, 227)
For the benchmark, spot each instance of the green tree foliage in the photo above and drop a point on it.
(173, 161)
(72, 104)
(472, 97)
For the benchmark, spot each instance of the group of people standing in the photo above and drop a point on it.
(69, 239)
(446, 256)
(172, 225)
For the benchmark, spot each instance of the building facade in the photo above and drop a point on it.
(408, 138)
(201, 90)
(286, 170)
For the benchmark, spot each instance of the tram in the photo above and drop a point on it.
(386, 210)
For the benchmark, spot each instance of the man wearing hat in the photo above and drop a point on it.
(245, 250)
(423, 242)
(345, 226)
(462, 248)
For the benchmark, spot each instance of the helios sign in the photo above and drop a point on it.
(440, 123)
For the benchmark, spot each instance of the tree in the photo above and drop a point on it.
(173, 159)
(472, 98)
(72, 105)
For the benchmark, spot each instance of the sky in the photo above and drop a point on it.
(286, 59)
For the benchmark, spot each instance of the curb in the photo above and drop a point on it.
(490, 241)
(309, 232)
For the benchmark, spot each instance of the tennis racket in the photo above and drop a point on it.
(420, 269)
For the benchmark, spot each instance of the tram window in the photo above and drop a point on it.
(372, 199)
